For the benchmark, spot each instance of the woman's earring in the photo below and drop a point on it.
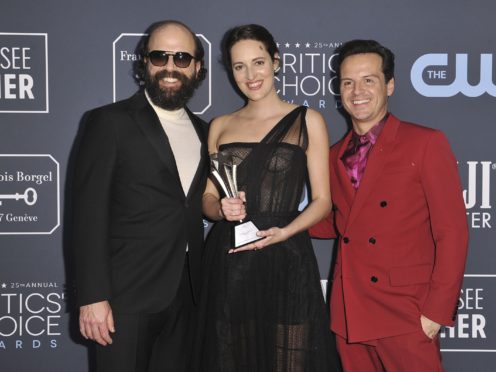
(277, 69)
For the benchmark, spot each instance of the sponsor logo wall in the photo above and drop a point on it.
(30, 198)
(31, 315)
(23, 72)
(79, 55)
(434, 76)
(307, 75)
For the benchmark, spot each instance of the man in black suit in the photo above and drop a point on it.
(138, 228)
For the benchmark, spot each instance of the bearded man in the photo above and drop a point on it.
(139, 177)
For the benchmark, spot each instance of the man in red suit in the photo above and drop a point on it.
(400, 218)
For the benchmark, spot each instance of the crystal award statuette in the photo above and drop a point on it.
(223, 169)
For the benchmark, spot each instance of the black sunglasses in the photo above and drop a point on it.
(160, 58)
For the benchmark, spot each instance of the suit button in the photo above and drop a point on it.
(346, 240)
(383, 204)
(373, 279)
(372, 240)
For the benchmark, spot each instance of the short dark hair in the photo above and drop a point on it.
(142, 49)
(247, 32)
(367, 46)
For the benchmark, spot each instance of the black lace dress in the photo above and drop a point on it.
(263, 310)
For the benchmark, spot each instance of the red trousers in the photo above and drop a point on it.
(411, 352)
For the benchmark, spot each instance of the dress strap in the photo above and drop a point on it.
(290, 129)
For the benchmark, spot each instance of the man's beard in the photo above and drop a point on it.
(170, 98)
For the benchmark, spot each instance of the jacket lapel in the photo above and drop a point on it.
(342, 179)
(149, 123)
(200, 128)
(376, 161)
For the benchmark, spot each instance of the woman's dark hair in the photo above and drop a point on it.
(142, 49)
(367, 46)
(247, 32)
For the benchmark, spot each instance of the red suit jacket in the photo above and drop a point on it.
(403, 235)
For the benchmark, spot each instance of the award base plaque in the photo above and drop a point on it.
(245, 233)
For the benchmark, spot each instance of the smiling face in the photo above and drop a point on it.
(364, 91)
(169, 86)
(253, 69)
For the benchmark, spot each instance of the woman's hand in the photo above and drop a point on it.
(271, 236)
(233, 209)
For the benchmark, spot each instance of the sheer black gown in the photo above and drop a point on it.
(263, 310)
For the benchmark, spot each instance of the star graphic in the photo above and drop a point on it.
(297, 45)
(278, 45)
(287, 45)
(4, 285)
(307, 45)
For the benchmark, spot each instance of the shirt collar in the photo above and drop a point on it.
(373, 133)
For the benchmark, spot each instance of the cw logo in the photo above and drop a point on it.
(460, 84)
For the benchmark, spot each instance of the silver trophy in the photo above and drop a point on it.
(224, 170)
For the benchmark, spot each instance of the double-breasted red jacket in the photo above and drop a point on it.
(403, 235)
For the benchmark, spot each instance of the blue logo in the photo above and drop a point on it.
(432, 67)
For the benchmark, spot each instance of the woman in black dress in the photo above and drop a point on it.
(262, 307)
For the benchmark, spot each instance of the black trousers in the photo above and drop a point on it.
(158, 342)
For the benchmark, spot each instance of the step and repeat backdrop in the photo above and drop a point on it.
(59, 59)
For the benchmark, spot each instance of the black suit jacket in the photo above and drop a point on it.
(132, 221)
